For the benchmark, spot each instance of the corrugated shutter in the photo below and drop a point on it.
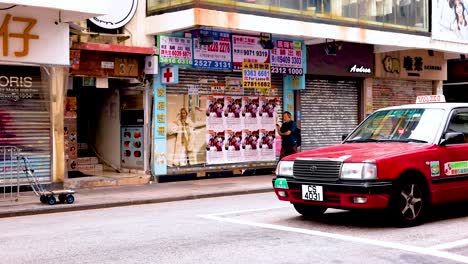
(329, 108)
(388, 92)
(25, 119)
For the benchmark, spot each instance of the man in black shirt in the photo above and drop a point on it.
(287, 131)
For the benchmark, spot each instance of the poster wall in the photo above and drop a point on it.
(220, 129)
(449, 20)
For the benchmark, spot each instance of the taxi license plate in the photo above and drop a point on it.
(312, 192)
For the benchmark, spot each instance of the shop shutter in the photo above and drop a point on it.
(25, 123)
(388, 92)
(329, 108)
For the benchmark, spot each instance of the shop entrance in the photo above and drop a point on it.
(103, 127)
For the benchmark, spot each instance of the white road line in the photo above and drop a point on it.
(408, 248)
(449, 245)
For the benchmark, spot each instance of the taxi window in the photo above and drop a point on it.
(459, 123)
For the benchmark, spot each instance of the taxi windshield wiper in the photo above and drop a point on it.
(405, 140)
(362, 140)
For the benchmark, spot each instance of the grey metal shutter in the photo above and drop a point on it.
(329, 108)
(25, 120)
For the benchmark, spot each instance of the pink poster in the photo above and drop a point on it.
(233, 112)
(267, 144)
(250, 106)
(215, 147)
(233, 143)
(250, 144)
(214, 112)
(268, 112)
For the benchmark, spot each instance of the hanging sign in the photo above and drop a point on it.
(286, 57)
(247, 49)
(173, 50)
(256, 75)
(215, 56)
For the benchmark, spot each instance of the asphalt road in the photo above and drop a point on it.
(233, 229)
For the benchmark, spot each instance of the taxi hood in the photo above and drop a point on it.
(361, 152)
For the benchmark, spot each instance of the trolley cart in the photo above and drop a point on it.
(46, 196)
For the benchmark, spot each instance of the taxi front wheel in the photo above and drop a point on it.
(409, 202)
(309, 211)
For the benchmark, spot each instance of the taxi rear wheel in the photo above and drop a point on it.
(309, 211)
(409, 202)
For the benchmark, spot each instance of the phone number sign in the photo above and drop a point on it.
(247, 49)
(256, 75)
(216, 56)
(173, 50)
(286, 57)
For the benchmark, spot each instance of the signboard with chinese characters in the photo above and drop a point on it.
(159, 130)
(34, 37)
(286, 57)
(411, 64)
(216, 56)
(247, 49)
(256, 75)
(174, 50)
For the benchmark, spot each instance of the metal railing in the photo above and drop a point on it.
(10, 172)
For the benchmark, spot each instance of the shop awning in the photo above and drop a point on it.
(114, 48)
(69, 10)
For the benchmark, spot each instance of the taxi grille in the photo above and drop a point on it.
(317, 170)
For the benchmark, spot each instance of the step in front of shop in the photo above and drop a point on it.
(106, 181)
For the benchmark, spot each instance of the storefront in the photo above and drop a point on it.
(455, 88)
(401, 76)
(219, 101)
(330, 106)
(37, 38)
(107, 110)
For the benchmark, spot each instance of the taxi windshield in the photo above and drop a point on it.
(399, 125)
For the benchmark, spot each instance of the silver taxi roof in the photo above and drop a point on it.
(445, 106)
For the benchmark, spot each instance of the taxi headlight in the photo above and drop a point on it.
(284, 168)
(358, 171)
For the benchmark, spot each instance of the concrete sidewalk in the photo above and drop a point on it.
(102, 197)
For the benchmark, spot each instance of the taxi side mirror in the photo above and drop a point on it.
(343, 137)
(452, 138)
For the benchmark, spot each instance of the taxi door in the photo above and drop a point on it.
(452, 182)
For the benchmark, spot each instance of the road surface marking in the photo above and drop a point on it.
(414, 249)
(453, 244)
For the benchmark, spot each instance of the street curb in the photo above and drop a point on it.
(47, 209)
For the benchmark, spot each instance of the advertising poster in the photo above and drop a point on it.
(215, 153)
(173, 50)
(286, 57)
(216, 56)
(132, 147)
(233, 143)
(267, 144)
(250, 144)
(215, 112)
(186, 130)
(268, 112)
(449, 20)
(250, 106)
(256, 75)
(233, 112)
(247, 49)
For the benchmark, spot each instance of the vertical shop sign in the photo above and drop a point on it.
(286, 57)
(256, 75)
(174, 50)
(247, 49)
(215, 56)
(160, 128)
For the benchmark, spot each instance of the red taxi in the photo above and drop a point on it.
(403, 159)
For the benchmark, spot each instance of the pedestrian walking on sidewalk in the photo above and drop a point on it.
(288, 133)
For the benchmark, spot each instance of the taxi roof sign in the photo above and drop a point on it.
(423, 99)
